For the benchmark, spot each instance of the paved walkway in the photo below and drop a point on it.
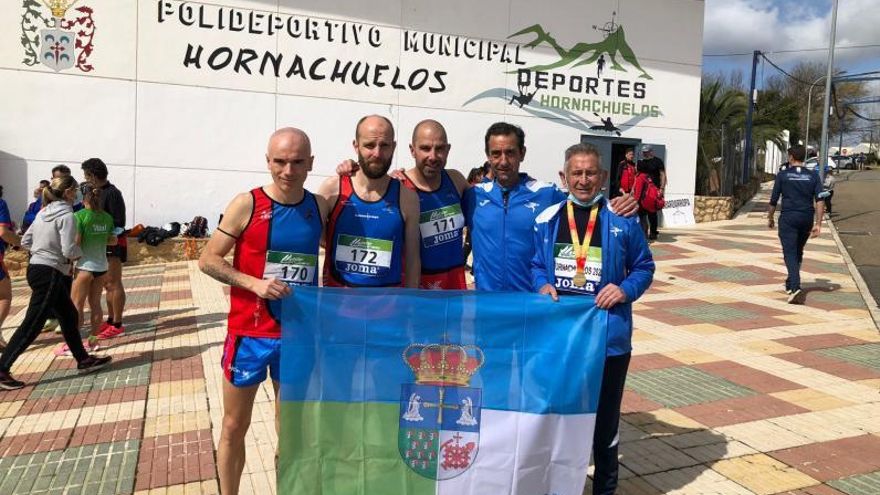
(731, 390)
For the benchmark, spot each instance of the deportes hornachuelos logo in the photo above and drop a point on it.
(60, 40)
(439, 432)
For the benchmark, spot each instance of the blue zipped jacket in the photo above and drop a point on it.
(501, 226)
(626, 262)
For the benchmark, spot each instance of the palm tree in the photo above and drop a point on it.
(723, 109)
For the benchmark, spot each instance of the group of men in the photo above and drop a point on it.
(407, 230)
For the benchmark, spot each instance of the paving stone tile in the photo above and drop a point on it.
(716, 451)
(652, 455)
(31, 443)
(644, 362)
(696, 479)
(867, 355)
(119, 431)
(831, 365)
(681, 386)
(767, 347)
(864, 484)
(739, 410)
(633, 402)
(176, 459)
(764, 435)
(762, 474)
(746, 376)
(94, 469)
(836, 459)
(815, 490)
(811, 399)
(821, 341)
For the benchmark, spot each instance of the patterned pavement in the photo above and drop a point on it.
(731, 391)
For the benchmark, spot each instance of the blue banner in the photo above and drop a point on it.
(522, 351)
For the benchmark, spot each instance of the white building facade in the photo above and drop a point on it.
(179, 98)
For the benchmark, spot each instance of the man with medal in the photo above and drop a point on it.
(276, 231)
(582, 248)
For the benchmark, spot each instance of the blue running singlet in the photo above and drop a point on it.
(365, 239)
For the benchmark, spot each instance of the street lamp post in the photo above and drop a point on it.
(810, 106)
(823, 143)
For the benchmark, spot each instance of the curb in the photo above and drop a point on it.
(854, 272)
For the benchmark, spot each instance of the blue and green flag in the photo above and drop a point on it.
(391, 391)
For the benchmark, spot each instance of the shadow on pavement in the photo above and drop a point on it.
(821, 285)
(666, 456)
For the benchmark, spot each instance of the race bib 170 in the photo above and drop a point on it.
(292, 268)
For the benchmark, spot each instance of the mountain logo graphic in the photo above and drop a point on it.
(612, 48)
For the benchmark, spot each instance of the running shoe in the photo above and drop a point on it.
(111, 331)
(51, 324)
(90, 344)
(7, 382)
(93, 363)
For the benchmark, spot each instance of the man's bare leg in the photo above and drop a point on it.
(115, 290)
(238, 406)
(5, 303)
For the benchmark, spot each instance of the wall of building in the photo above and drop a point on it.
(179, 98)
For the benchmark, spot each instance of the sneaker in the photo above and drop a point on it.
(62, 350)
(91, 344)
(111, 331)
(796, 296)
(9, 383)
(93, 363)
(51, 324)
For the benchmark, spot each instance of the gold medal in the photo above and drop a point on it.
(580, 248)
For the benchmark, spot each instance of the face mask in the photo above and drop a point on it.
(583, 204)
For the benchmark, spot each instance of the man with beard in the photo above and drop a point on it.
(372, 236)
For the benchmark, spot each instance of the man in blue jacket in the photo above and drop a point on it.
(500, 213)
(801, 218)
(584, 249)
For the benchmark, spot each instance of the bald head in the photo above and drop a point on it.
(376, 123)
(288, 136)
(429, 127)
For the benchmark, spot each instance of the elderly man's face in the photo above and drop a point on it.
(584, 176)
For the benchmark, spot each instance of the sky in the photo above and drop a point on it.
(790, 31)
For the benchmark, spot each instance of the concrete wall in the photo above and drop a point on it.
(183, 131)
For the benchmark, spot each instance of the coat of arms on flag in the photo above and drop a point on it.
(59, 41)
(439, 433)
(404, 392)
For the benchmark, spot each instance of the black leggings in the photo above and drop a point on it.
(50, 292)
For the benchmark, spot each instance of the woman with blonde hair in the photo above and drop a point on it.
(94, 228)
(51, 241)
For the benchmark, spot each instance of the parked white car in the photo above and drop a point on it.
(812, 162)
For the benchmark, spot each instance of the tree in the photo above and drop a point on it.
(722, 114)
(806, 73)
